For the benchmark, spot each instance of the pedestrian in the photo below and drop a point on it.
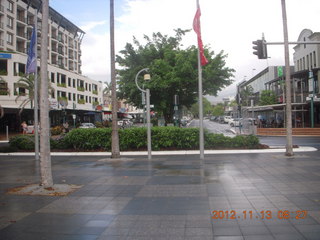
(24, 127)
(66, 127)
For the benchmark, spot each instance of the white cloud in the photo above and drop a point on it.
(91, 25)
(229, 25)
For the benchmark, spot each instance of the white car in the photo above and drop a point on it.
(87, 125)
(124, 123)
(235, 122)
(226, 119)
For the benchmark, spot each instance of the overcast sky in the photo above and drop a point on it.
(228, 25)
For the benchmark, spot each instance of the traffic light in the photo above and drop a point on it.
(260, 48)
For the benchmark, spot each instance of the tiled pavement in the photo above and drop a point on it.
(169, 197)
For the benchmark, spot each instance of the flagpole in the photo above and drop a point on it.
(36, 106)
(201, 137)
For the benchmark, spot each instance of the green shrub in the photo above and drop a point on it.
(22, 142)
(60, 143)
(136, 139)
(89, 138)
(132, 138)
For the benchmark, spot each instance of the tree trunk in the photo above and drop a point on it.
(289, 150)
(115, 151)
(45, 158)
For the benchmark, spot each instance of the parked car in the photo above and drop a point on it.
(87, 125)
(226, 119)
(219, 119)
(125, 123)
(249, 121)
(235, 122)
(213, 118)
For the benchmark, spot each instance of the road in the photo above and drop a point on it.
(214, 127)
(225, 129)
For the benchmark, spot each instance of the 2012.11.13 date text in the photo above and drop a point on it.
(264, 214)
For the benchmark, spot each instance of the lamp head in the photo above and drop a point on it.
(147, 77)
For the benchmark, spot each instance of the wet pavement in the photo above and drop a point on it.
(224, 197)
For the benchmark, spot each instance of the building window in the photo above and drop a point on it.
(314, 59)
(4, 90)
(10, 6)
(69, 82)
(74, 97)
(311, 65)
(3, 67)
(69, 96)
(52, 77)
(19, 69)
(18, 90)
(10, 22)
(52, 93)
(73, 83)
(9, 38)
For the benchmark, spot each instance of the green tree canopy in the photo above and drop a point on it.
(173, 69)
(245, 94)
(267, 97)
(218, 110)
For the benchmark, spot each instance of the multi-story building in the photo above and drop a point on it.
(305, 78)
(72, 94)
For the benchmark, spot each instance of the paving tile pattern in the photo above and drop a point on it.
(224, 197)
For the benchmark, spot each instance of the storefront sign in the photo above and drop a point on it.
(5, 55)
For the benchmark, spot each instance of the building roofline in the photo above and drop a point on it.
(57, 17)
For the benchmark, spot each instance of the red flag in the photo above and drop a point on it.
(197, 29)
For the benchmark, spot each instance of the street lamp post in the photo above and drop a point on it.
(147, 91)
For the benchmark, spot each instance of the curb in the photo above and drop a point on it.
(162, 153)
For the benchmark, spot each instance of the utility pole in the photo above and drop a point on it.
(115, 151)
(289, 150)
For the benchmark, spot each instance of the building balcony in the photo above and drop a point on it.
(1, 9)
(22, 50)
(22, 35)
(22, 19)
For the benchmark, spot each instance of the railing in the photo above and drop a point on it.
(23, 50)
(22, 34)
(22, 19)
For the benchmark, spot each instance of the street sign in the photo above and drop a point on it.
(280, 71)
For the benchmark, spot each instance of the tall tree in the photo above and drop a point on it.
(173, 72)
(115, 149)
(245, 94)
(45, 158)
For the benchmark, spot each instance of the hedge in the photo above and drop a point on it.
(130, 139)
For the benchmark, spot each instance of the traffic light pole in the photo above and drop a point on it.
(301, 42)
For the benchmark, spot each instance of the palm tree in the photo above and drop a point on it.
(3, 92)
(107, 89)
(26, 82)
